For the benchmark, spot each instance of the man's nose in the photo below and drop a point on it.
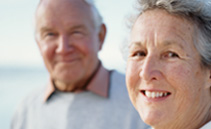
(150, 69)
(64, 45)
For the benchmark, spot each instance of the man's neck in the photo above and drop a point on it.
(74, 87)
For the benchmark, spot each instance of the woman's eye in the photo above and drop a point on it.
(139, 54)
(171, 55)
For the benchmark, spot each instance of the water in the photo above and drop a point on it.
(15, 84)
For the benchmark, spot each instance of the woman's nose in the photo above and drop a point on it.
(150, 69)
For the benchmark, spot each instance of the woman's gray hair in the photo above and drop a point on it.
(196, 11)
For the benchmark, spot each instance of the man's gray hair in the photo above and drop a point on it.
(98, 18)
(196, 11)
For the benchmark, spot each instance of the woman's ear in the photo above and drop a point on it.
(209, 82)
(210, 74)
(208, 79)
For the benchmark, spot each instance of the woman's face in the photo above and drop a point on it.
(165, 79)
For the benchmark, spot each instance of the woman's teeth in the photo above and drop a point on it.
(150, 94)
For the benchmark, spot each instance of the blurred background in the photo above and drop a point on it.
(21, 66)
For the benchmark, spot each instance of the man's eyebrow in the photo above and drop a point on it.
(77, 27)
(45, 29)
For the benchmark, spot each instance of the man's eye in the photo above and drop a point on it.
(170, 55)
(50, 34)
(77, 33)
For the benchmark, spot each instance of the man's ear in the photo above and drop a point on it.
(102, 35)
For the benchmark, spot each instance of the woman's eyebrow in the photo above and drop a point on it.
(172, 43)
(134, 44)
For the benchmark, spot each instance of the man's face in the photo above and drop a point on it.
(68, 40)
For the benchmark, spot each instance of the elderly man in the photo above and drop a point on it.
(81, 93)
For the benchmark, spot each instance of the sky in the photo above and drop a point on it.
(18, 47)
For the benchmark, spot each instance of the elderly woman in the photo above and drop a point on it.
(168, 72)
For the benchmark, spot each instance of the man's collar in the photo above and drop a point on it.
(98, 85)
(100, 82)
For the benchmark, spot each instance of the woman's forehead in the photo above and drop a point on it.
(160, 25)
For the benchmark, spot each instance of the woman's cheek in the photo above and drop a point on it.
(132, 80)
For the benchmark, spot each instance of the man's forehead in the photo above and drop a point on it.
(48, 14)
(55, 5)
(86, 1)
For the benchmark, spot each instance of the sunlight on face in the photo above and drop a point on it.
(165, 81)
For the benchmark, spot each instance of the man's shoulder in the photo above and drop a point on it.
(117, 73)
(22, 110)
(117, 85)
(32, 98)
(117, 76)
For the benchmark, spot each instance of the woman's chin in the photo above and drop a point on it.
(153, 118)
